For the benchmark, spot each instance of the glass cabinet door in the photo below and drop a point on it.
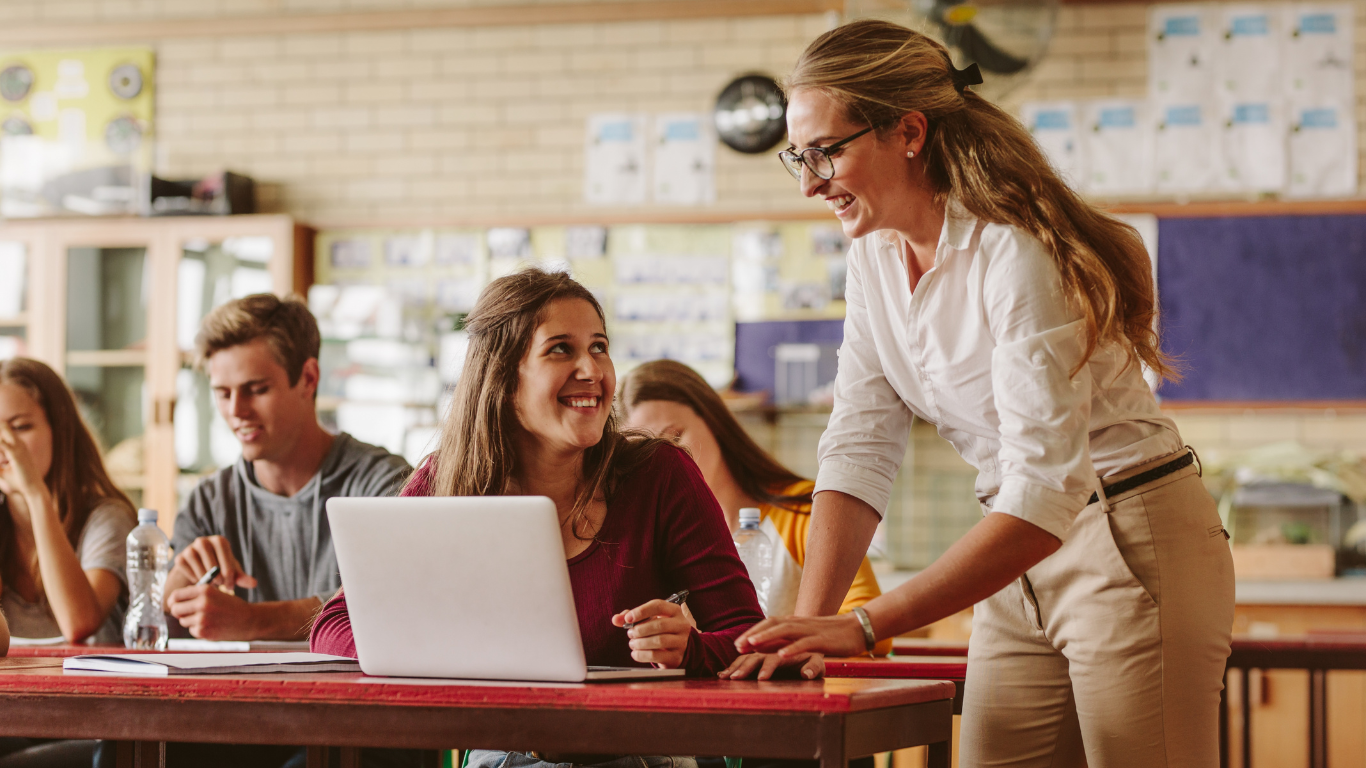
(13, 298)
(209, 274)
(106, 353)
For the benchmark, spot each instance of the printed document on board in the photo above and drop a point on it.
(1117, 142)
(1054, 127)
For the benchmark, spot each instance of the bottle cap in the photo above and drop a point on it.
(146, 515)
(749, 516)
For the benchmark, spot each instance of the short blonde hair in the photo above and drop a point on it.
(288, 327)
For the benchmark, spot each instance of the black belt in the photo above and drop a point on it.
(1143, 478)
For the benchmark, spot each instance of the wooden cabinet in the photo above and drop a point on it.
(113, 305)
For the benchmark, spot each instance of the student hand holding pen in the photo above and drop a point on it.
(658, 630)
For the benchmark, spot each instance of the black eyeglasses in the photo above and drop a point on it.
(816, 159)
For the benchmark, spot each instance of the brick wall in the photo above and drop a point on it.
(471, 122)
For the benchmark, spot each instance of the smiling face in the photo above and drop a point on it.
(252, 391)
(874, 181)
(29, 423)
(566, 379)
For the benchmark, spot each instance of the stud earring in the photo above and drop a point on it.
(910, 154)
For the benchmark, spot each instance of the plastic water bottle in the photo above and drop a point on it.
(756, 552)
(149, 560)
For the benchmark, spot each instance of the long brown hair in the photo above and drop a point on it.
(757, 473)
(475, 454)
(77, 478)
(980, 156)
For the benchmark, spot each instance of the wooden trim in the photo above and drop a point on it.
(16, 321)
(1191, 407)
(107, 358)
(1224, 208)
(608, 217)
(373, 21)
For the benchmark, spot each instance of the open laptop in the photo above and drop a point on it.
(462, 587)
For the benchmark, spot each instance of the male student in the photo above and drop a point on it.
(263, 520)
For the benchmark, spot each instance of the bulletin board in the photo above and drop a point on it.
(1269, 308)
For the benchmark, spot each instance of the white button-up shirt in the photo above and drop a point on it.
(983, 350)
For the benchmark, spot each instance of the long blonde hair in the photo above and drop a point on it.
(475, 454)
(980, 156)
(76, 479)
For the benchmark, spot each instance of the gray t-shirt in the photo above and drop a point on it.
(101, 545)
(285, 542)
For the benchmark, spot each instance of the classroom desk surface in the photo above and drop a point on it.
(830, 720)
(951, 668)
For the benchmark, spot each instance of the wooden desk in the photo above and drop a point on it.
(950, 668)
(924, 646)
(831, 720)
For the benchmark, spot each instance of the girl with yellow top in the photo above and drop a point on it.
(673, 400)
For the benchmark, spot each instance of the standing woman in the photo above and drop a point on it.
(985, 297)
(62, 521)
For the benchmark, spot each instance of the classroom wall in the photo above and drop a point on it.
(490, 122)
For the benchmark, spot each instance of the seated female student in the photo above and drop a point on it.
(670, 399)
(534, 417)
(62, 530)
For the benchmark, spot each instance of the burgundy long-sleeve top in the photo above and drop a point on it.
(663, 532)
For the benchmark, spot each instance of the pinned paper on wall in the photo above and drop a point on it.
(1254, 146)
(1318, 52)
(1184, 145)
(1248, 64)
(1181, 45)
(684, 159)
(1117, 139)
(1054, 127)
(614, 160)
(1323, 151)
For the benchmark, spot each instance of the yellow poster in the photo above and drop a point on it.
(76, 130)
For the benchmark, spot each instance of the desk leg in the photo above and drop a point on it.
(1246, 695)
(318, 757)
(941, 755)
(140, 754)
(831, 747)
(350, 757)
(1318, 718)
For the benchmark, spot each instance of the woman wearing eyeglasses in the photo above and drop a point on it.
(984, 296)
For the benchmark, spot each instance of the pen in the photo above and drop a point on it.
(678, 598)
(208, 577)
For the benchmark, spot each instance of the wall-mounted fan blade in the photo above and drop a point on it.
(976, 47)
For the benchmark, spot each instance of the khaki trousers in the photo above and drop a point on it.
(1110, 652)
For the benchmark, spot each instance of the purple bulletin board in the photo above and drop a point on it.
(754, 343)
(1265, 308)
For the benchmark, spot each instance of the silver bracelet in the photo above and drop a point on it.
(868, 638)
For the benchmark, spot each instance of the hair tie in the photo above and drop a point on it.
(962, 78)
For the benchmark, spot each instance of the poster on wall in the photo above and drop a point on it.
(614, 159)
(1117, 138)
(1181, 42)
(1323, 150)
(684, 170)
(1185, 144)
(76, 131)
(1054, 127)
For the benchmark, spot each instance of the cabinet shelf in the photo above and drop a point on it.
(107, 358)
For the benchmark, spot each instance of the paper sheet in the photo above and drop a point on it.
(1181, 42)
(1248, 59)
(1253, 146)
(1323, 150)
(1186, 151)
(1117, 141)
(1318, 52)
(1054, 127)
(684, 160)
(614, 159)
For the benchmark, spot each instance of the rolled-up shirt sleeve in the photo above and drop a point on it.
(1044, 409)
(865, 443)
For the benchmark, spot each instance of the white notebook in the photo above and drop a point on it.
(162, 664)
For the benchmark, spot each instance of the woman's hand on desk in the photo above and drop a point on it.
(660, 635)
(812, 666)
(794, 636)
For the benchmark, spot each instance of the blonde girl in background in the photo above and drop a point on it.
(987, 298)
(670, 399)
